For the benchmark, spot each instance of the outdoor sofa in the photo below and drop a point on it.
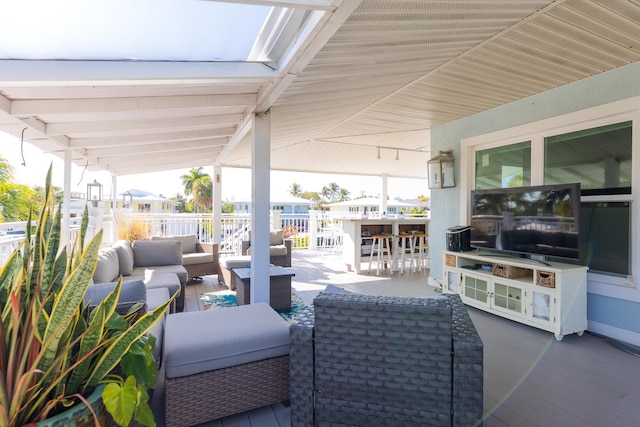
(158, 264)
(385, 361)
(199, 259)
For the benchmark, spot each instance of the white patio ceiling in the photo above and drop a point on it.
(343, 80)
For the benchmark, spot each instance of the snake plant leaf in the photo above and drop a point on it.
(51, 252)
(69, 298)
(113, 354)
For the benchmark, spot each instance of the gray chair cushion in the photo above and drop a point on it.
(125, 256)
(276, 237)
(157, 252)
(108, 267)
(188, 241)
(196, 258)
(254, 332)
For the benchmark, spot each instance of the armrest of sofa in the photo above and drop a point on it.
(287, 257)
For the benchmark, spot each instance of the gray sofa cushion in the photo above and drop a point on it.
(177, 270)
(188, 241)
(157, 252)
(125, 256)
(159, 280)
(190, 347)
(131, 291)
(108, 267)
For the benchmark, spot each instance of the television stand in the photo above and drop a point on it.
(550, 296)
(523, 259)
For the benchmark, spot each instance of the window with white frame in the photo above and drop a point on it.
(600, 159)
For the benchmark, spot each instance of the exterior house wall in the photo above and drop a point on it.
(609, 311)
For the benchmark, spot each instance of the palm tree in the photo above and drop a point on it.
(343, 195)
(295, 189)
(334, 191)
(203, 192)
(325, 192)
(190, 182)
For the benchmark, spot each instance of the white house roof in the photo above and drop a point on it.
(352, 87)
(371, 201)
(141, 195)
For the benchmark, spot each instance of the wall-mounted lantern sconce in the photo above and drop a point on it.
(127, 199)
(440, 170)
(94, 192)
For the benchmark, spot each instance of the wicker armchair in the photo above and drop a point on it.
(369, 360)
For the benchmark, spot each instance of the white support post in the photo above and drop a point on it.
(66, 200)
(217, 204)
(260, 218)
(384, 195)
(313, 230)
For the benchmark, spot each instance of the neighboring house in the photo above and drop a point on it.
(369, 205)
(287, 204)
(145, 202)
(586, 132)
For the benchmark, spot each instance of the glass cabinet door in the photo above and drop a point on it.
(508, 298)
(477, 289)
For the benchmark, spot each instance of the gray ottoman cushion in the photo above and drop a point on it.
(232, 262)
(207, 340)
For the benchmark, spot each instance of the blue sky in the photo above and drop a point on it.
(189, 30)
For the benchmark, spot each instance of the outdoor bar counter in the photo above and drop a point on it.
(357, 232)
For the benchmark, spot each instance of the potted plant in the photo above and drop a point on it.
(54, 349)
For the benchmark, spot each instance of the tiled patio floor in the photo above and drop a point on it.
(530, 379)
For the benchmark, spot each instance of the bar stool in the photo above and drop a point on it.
(404, 249)
(421, 245)
(381, 248)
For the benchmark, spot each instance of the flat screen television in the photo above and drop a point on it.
(541, 221)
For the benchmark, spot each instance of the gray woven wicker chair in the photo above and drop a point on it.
(359, 360)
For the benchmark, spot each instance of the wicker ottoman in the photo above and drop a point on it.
(226, 266)
(224, 361)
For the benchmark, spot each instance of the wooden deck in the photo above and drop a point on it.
(530, 378)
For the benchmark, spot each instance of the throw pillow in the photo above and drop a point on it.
(108, 267)
(276, 237)
(125, 257)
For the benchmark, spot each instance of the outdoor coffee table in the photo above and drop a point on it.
(279, 286)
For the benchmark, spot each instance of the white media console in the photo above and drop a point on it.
(551, 296)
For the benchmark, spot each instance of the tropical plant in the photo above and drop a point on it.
(191, 182)
(295, 189)
(203, 192)
(54, 349)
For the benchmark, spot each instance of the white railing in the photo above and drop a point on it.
(13, 233)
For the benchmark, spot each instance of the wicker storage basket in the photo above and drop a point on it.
(546, 279)
(450, 260)
(510, 272)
